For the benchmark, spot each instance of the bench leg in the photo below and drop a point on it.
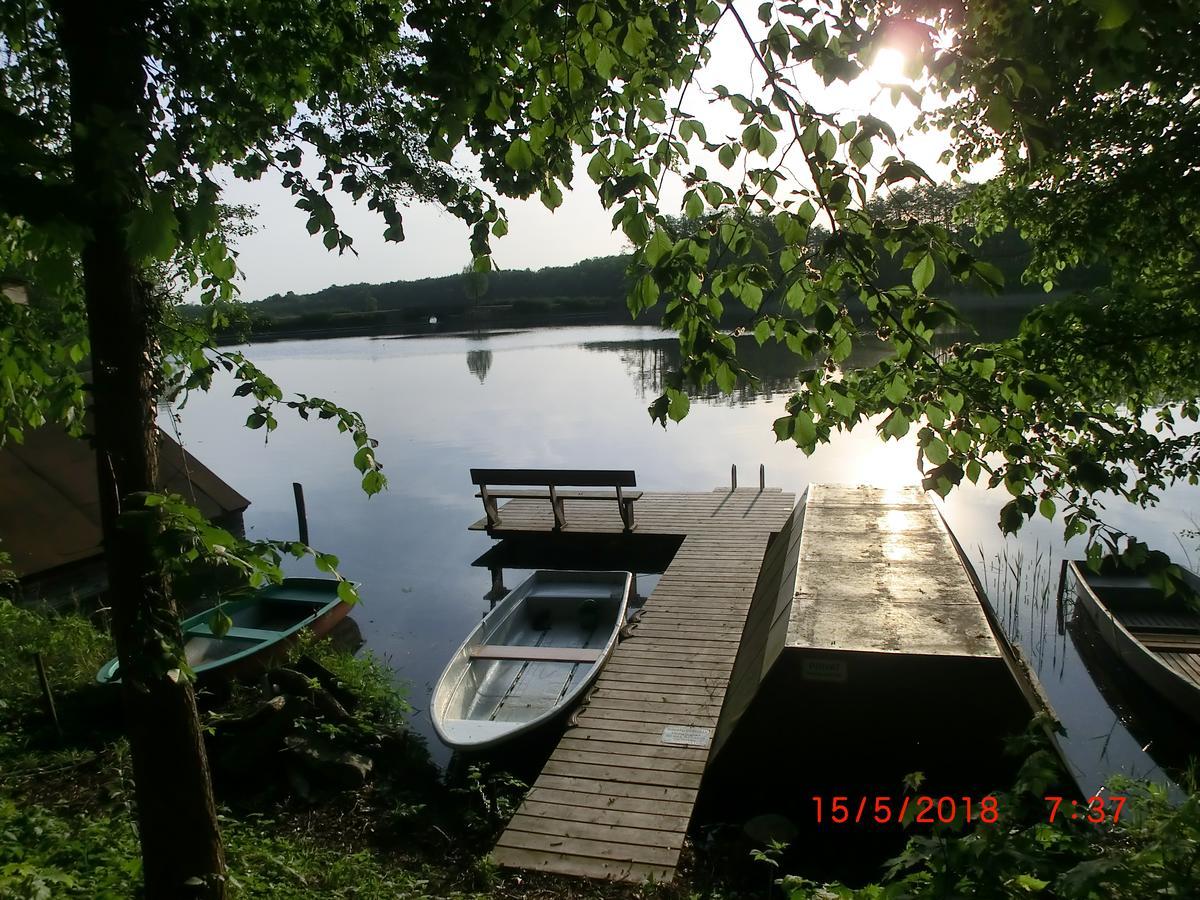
(492, 511)
(627, 514)
(560, 513)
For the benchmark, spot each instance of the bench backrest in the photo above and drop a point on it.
(555, 477)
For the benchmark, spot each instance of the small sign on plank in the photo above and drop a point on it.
(830, 670)
(687, 736)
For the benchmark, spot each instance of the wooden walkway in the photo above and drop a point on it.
(615, 798)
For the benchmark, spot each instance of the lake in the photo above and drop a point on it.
(577, 398)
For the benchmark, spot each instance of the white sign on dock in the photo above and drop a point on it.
(831, 670)
(687, 735)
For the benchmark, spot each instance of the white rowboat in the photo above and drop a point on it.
(530, 658)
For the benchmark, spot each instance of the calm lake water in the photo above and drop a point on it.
(576, 398)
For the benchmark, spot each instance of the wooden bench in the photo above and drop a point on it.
(549, 481)
(534, 654)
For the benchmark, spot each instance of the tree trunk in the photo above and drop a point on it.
(105, 49)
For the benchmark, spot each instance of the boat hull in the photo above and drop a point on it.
(264, 627)
(1143, 662)
(531, 658)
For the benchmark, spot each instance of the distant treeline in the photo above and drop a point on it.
(594, 290)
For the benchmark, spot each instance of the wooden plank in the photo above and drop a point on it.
(598, 831)
(566, 495)
(640, 791)
(1186, 664)
(598, 849)
(628, 760)
(617, 728)
(654, 820)
(629, 777)
(541, 654)
(591, 800)
(602, 744)
(556, 477)
(581, 866)
(655, 694)
(633, 683)
(657, 712)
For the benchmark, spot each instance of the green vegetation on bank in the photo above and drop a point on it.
(67, 827)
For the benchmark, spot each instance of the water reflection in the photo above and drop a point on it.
(479, 362)
(648, 361)
(563, 398)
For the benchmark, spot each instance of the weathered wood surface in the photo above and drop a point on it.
(614, 800)
(878, 573)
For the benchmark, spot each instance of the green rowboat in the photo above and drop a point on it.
(264, 624)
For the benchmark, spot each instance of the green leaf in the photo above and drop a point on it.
(766, 142)
(654, 110)
(1047, 508)
(1011, 517)
(1029, 883)
(752, 296)
(220, 623)
(726, 378)
(922, 274)
(896, 425)
(762, 331)
(551, 196)
(373, 482)
(804, 431)
(936, 451)
(678, 404)
(658, 247)
(346, 592)
(154, 228)
(897, 390)
(519, 156)
(999, 114)
(1113, 13)
(597, 167)
(326, 562)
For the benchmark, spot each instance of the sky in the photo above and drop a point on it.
(281, 256)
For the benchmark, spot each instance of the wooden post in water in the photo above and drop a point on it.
(46, 693)
(498, 589)
(762, 477)
(733, 477)
(301, 515)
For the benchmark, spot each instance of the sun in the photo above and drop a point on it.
(888, 66)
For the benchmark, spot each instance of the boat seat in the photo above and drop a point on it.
(248, 634)
(1170, 642)
(535, 654)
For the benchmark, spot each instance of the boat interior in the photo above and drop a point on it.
(1163, 624)
(536, 651)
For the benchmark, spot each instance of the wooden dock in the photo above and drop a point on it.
(616, 796)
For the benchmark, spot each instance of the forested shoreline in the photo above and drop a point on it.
(595, 290)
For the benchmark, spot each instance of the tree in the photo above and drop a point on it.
(1092, 112)
(116, 117)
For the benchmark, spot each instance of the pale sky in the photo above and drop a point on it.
(281, 256)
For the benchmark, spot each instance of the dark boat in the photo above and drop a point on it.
(264, 625)
(1156, 637)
